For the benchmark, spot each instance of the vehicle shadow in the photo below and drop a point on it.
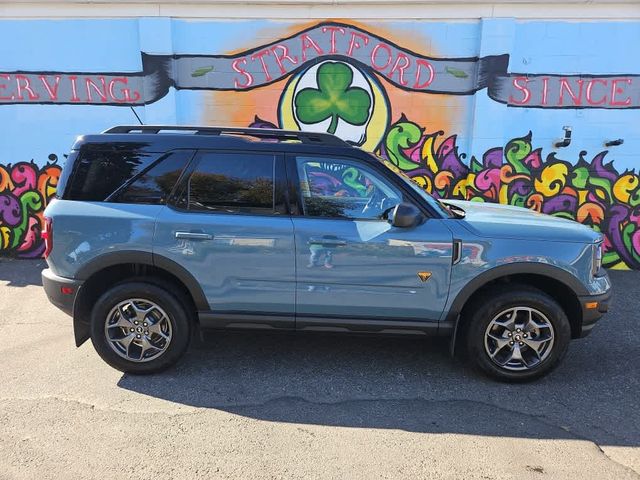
(405, 383)
(16, 272)
(410, 384)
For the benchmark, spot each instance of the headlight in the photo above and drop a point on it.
(596, 263)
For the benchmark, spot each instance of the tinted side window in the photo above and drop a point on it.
(155, 185)
(99, 172)
(233, 182)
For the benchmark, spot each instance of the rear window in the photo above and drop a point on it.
(98, 173)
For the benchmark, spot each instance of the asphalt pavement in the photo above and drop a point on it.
(255, 405)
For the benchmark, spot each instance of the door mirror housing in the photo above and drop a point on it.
(405, 215)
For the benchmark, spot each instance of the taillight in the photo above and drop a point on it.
(47, 236)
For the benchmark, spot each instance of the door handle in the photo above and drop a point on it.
(194, 236)
(328, 242)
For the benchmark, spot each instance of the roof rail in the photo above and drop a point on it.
(276, 134)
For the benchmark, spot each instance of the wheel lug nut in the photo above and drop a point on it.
(138, 336)
(132, 329)
(135, 322)
(509, 334)
(510, 343)
(144, 324)
(525, 335)
(521, 343)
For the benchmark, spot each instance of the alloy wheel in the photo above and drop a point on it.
(519, 338)
(138, 330)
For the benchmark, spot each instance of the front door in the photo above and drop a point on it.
(230, 229)
(352, 265)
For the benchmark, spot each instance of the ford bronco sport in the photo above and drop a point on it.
(158, 231)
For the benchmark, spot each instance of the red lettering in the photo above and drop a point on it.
(74, 89)
(423, 63)
(101, 90)
(307, 43)
(374, 53)
(400, 68)
(237, 68)
(354, 44)
(7, 78)
(333, 31)
(545, 90)
(126, 98)
(526, 93)
(589, 95)
(261, 54)
(283, 56)
(52, 91)
(615, 90)
(26, 87)
(565, 85)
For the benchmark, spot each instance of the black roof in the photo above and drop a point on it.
(159, 138)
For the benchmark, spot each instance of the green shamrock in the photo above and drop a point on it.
(334, 97)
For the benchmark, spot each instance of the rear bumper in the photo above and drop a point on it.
(591, 314)
(61, 291)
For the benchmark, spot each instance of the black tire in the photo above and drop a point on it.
(176, 313)
(495, 300)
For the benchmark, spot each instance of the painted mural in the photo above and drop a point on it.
(25, 191)
(380, 89)
(591, 191)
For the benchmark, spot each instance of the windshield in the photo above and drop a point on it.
(436, 204)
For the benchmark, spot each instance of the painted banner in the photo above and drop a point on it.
(271, 62)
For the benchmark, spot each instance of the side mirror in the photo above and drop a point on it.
(405, 215)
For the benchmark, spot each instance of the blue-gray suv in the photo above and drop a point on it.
(158, 231)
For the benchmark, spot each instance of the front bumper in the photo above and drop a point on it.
(61, 291)
(593, 308)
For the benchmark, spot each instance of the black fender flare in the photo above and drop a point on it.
(146, 258)
(452, 318)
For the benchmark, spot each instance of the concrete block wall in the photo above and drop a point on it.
(471, 107)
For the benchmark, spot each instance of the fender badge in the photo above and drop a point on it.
(424, 276)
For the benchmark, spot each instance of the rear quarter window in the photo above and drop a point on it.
(155, 183)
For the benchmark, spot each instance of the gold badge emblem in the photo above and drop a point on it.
(424, 276)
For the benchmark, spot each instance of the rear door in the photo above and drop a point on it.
(354, 270)
(229, 227)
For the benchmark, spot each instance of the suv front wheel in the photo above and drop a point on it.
(139, 327)
(517, 333)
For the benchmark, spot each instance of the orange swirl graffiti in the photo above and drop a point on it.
(505, 176)
(5, 179)
(443, 179)
(592, 210)
(535, 202)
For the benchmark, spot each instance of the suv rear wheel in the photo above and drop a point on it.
(137, 327)
(517, 333)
